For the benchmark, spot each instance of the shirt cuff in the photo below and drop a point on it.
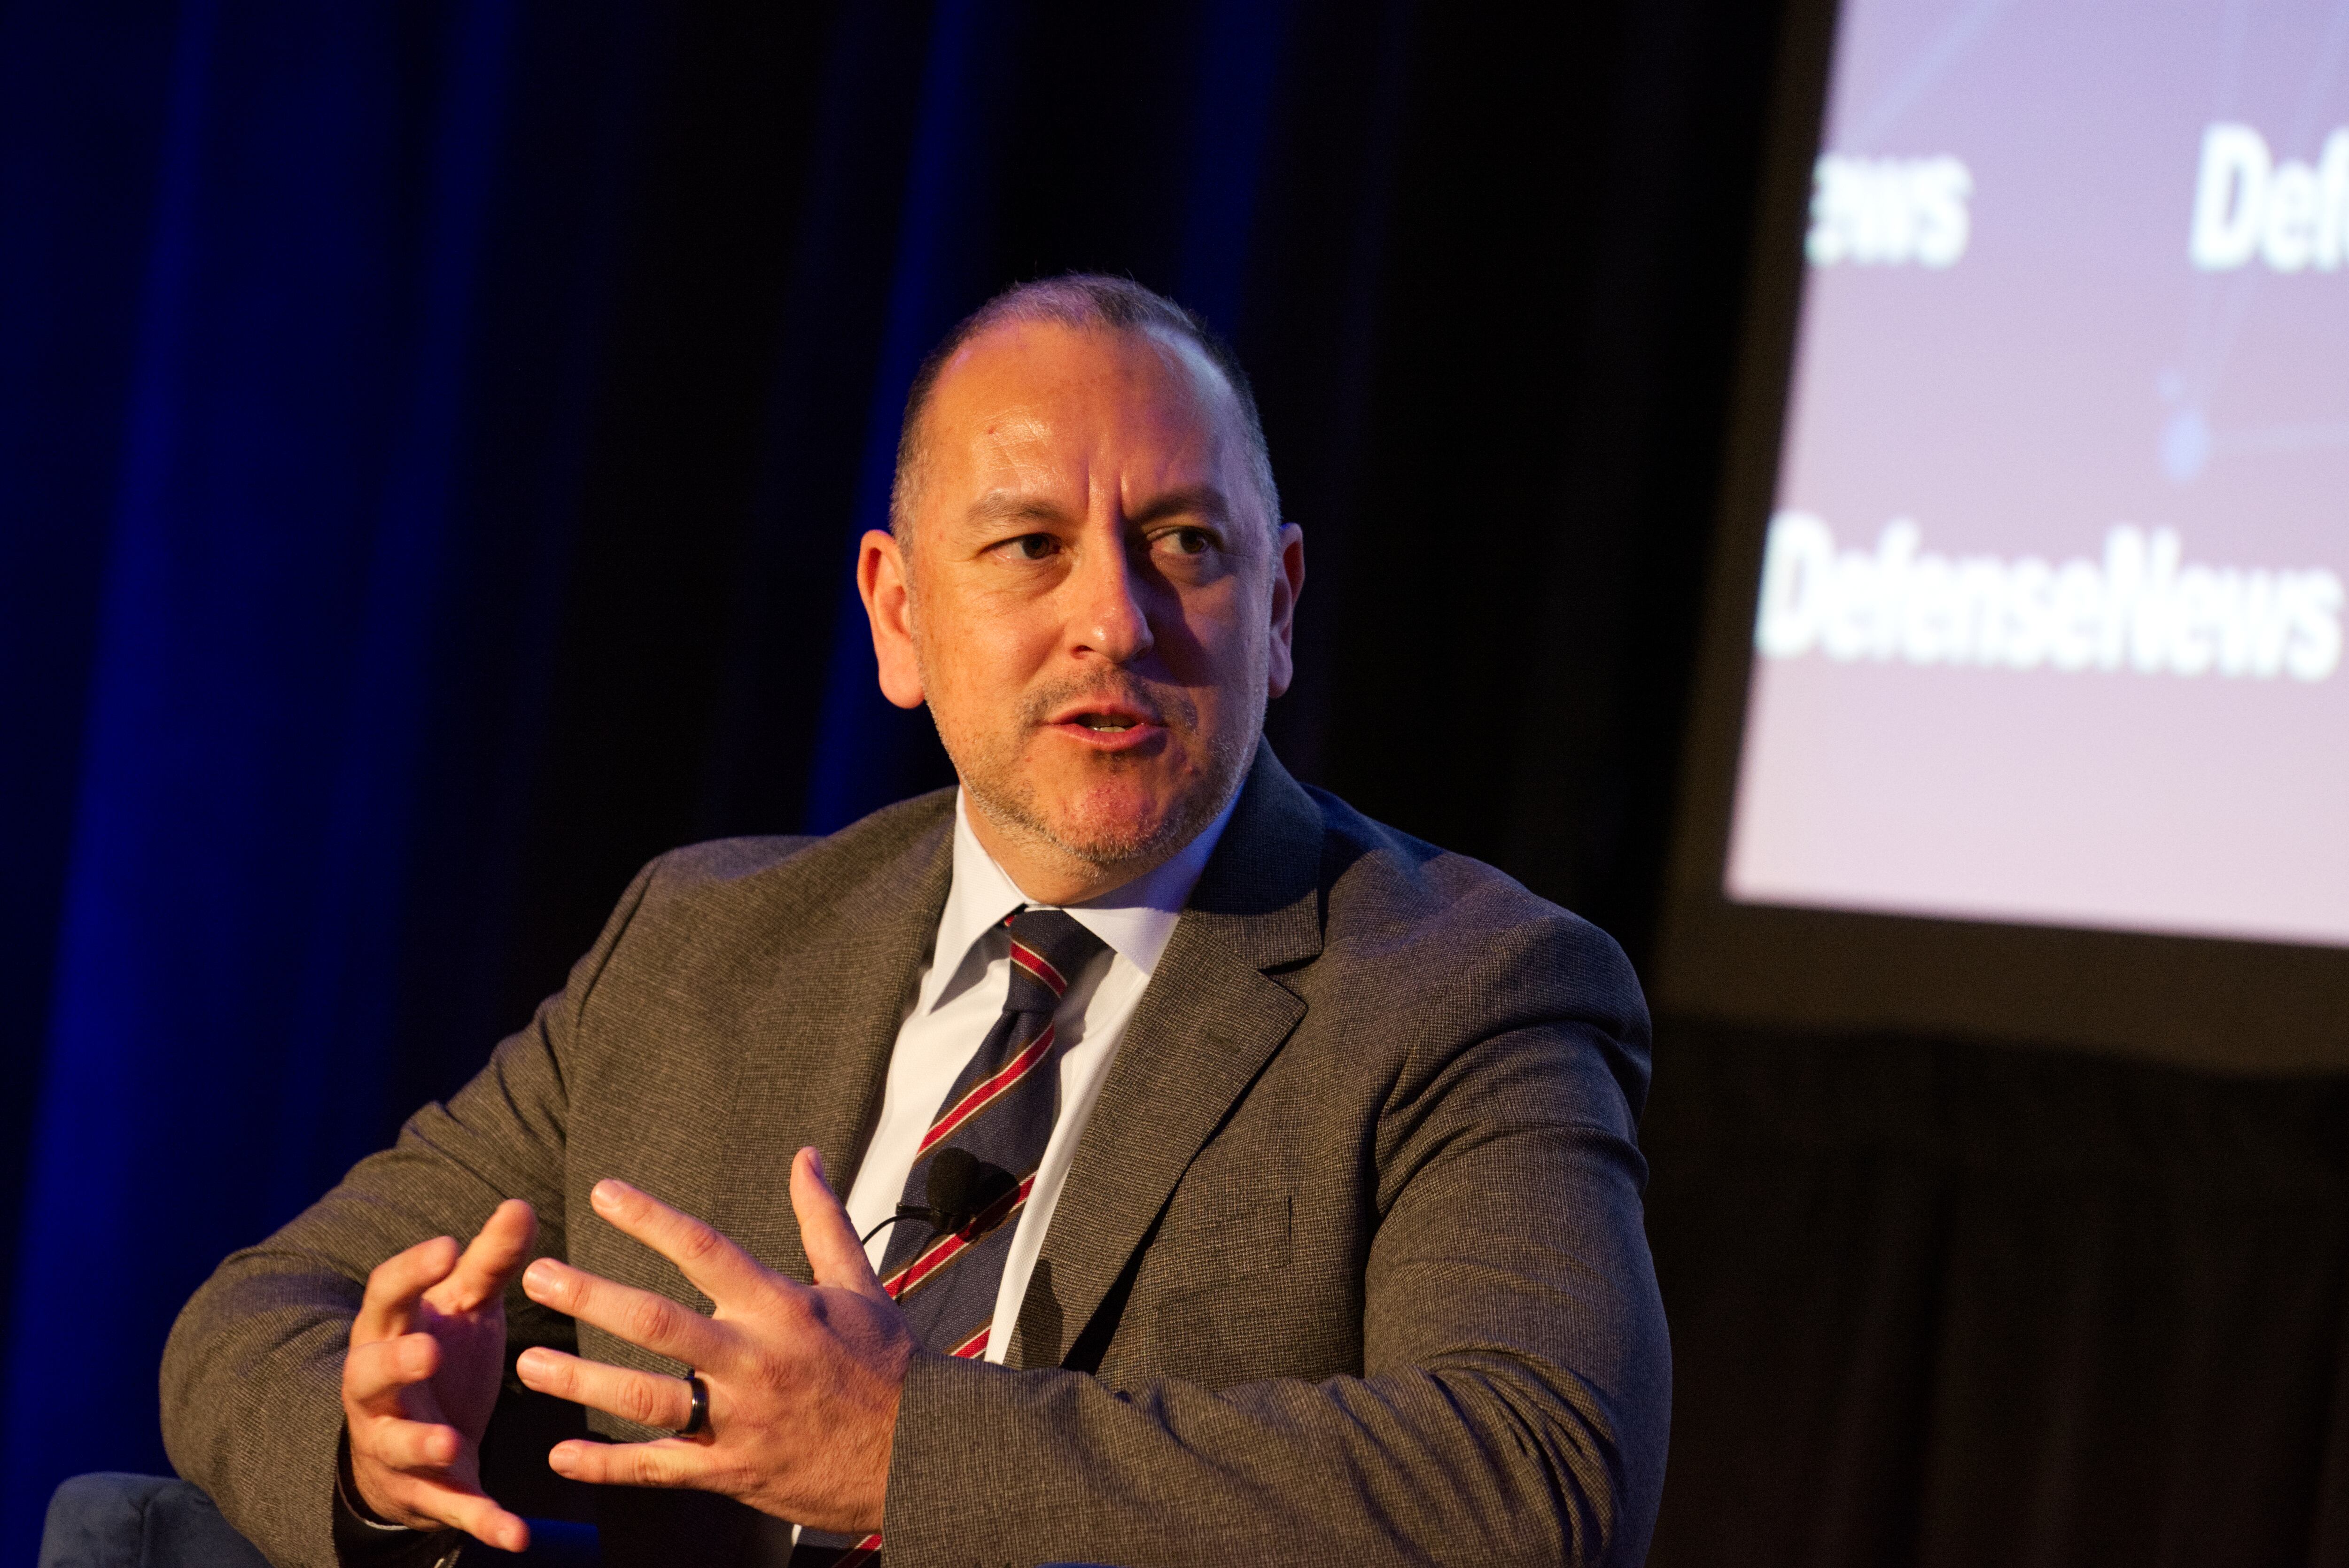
(363, 1541)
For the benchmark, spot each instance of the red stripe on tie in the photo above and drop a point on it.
(953, 1243)
(975, 1345)
(1036, 964)
(864, 1550)
(986, 1091)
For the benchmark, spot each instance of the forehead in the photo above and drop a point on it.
(1029, 394)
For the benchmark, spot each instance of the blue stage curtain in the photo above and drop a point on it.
(268, 551)
(320, 558)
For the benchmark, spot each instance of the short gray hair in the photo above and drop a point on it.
(1083, 302)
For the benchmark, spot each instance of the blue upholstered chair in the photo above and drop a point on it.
(114, 1521)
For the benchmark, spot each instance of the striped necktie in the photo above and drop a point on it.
(977, 1164)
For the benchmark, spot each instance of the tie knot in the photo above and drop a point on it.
(1047, 949)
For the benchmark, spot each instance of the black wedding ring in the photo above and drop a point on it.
(698, 1422)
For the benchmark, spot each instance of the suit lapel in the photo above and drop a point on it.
(818, 1044)
(1207, 1025)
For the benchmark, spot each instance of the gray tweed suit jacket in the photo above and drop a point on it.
(1349, 1269)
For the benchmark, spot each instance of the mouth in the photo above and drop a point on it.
(1107, 726)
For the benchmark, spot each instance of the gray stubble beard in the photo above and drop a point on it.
(996, 785)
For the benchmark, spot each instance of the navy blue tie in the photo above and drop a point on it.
(977, 1164)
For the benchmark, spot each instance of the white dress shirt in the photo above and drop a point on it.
(964, 982)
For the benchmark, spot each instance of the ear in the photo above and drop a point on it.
(1287, 583)
(882, 582)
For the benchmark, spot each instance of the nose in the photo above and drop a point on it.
(1108, 617)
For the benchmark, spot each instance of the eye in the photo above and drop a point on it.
(1186, 540)
(1031, 546)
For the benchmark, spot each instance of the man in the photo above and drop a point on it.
(1268, 1180)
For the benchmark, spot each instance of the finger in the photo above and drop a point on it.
(826, 1232)
(648, 1398)
(406, 1446)
(430, 1497)
(639, 1316)
(490, 1264)
(718, 1268)
(670, 1461)
(389, 1308)
(374, 1374)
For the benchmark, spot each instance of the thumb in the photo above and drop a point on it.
(833, 1250)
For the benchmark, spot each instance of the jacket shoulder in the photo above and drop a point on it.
(1425, 926)
(1384, 884)
(691, 866)
(811, 865)
(726, 910)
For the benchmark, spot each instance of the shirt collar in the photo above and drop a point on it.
(1136, 920)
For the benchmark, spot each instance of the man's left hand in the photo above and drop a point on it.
(803, 1381)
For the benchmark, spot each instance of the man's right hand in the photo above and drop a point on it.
(428, 1352)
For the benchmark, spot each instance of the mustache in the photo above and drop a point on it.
(1169, 706)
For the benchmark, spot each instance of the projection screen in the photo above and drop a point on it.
(2044, 624)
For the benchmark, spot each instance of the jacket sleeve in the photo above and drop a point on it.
(251, 1376)
(1513, 1402)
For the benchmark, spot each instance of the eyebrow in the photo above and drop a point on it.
(1004, 506)
(1206, 500)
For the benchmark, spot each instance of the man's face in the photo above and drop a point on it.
(1093, 600)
